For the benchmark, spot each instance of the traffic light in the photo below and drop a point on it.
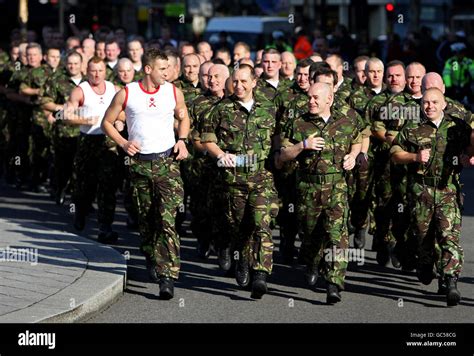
(389, 7)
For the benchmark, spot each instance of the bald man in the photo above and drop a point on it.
(432, 153)
(325, 147)
(453, 107)
(205, 203)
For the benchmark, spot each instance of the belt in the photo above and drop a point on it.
(152, 156)
(320, 178)
(435, 182)
(251, 168)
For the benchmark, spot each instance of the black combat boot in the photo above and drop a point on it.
(242, 272)
(106, 235)
(166, 288)
(224, 258)
(151, 269)
(442, 288)
(259, 284)
(453, 296)
(359, 238)
(425, 274)
(333, 294)
(311, 275)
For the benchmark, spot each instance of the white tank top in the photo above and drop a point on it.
(95, 105)
(150, 116)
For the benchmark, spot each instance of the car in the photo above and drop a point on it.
(256, 31)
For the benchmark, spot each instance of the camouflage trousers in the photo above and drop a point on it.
(40, 153)
(322, 214)
(95, 172)
(157, 192)
(203, 169)
(285, 183)
(249, 215)
(437, 218)
(363, 195)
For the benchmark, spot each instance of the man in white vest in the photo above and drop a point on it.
(151, 106)
(96, 163)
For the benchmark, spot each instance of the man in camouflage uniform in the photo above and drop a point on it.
(191, 88)
(112, 53)
(376, 114)
(325, 146)
(6, 70)
(155, 175)
(362, 204)
(204, 195)
(359, 73)
(400, 110)
(432, 152)
(238, 132)
(290, 104)
(57, 90)
(453, 107)
(18, 122)
(40, 130)
(343, 87)
(269, 84)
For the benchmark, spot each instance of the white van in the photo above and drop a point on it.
(256, 31)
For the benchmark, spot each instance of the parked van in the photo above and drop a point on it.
(256, 31)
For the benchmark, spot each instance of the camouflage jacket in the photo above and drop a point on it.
(190, 91)
(361, 97)
(289, 104)
(237, 131)
(201, 105)
(344, 91)
(265, 91)
(36, 79)
(398, 111)
(446, 143)
(57, 90)
(339, 133)
(456, 109)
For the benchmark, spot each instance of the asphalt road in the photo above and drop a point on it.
(204, 294)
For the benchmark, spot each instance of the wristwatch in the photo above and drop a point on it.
(185, 139)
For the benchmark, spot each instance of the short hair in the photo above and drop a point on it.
(203, 43)
(304, 63)
(53, 49)
(122, 61)
(222, 50)
(315, 67)
(33, 45)
(112, 41)
(338, 57)
(359, 59)
(249, 67)
(95, 60)
(242, 44)
(217, 61)
(271, 51)
(395, 63)
(171, 52)
(151, 55)
(135, 40)
(74, 54)
(372, 60)
(325, 71)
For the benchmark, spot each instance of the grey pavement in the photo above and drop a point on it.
(203, 294)
(54, 276)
